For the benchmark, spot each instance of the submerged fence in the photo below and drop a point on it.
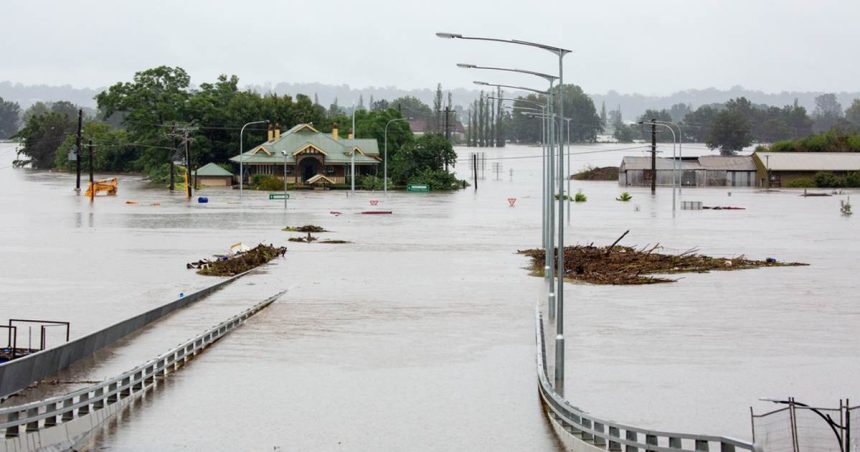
(590, 433)
(23, 424)
(796, 428)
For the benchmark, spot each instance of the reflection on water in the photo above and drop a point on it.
(419, 335)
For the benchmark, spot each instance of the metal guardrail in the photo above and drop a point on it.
(56, 411)
(612, 436)
(17, 374)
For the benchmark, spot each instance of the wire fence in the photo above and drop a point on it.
(800, 428)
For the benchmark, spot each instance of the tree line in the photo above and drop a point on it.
(738, 123)
(135, 127)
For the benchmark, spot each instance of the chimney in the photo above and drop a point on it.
(277, 131)
(334, 133)
(351, 135)
(271, 134)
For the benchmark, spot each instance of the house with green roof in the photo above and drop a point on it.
(212, 175)
(310, 153)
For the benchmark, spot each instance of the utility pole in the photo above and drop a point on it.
(92, 180)
(475, 169)
(653, 156)
(78, 151)
(172, 165)
(185, 132)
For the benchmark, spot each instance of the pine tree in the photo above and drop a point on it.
(437, 108)
(603, 113)
(316, 99)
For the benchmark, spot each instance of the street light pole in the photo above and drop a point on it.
(385, 156)
(285, 179)
(560, 52)
(568, 168)
(241, 154)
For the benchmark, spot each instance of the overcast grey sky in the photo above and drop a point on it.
(651, 47)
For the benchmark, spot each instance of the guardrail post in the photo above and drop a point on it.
(675, 442)
(614, 433)
(599, 440)
(701, 445)
(50, 421)
(12, 430)
(125, 391)
(630, 435)
(69, 412)
(726, 447)
(112, 397)
(138, 384)
(99, 403)
(650, 440)
(32, 426)
(85, 409)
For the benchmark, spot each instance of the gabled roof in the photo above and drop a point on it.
(705, 162)
(319, 178)
(727, 162)
(810, 161)
(304, 136)
(213, 170)
(644, 163)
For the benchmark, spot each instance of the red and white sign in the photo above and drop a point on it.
(512, 201)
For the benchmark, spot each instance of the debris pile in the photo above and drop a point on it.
(238, 263)
(305, 228)
(621, 265)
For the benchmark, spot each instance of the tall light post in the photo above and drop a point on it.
(385, 162)
(568, 168)
(352, 155)
(241, 153)
(560, 52)
(680, 160)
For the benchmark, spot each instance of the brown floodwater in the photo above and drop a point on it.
(419, 334)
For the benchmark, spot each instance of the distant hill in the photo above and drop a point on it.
(632, 105)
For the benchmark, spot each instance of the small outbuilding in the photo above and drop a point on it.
(212, 175)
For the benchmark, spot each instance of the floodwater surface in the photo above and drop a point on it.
(419, 335)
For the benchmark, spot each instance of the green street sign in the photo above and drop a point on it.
(279, 196)
(418, 188)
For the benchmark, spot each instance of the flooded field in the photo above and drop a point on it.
(419, 334)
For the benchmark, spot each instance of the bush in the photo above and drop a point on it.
(436, 180)
(371, 182)
(824, 179)
(580, 196)
(267, 183)
(803, 182)
(624, 197)
(853, 179)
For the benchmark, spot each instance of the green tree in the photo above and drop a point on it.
(412, 107)
(852, 114)
(827, 112)
(9, 116)
(730, 133)
(424, 160)
(43, 133)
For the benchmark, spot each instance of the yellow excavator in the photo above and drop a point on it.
(107, 186)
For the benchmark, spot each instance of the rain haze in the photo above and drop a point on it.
(654, 47)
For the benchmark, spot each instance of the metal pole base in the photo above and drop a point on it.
(551, 305)
(559, 365)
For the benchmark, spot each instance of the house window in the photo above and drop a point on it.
(329, 170)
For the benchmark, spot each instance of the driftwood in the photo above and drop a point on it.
(239, 263)
(628, 265)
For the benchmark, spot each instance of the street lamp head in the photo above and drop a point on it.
(449, 35)
(284, 153)
(466, 66)
(481, 83)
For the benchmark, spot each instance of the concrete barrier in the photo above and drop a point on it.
(18, 374)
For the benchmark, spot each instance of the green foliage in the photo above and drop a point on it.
(831, 141)
(111, 150)
(624, 197)
(438, 179)
(580, 196)
(9, 112)
(825, 179)
(371, 182)
(423, 161)
(267, 183)
(411, 107)
(730, 133)
(803, 182)
(45, 131)
(584, 126)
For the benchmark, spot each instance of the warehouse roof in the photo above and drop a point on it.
(810, 161)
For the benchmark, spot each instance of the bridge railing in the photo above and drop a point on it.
(34, 416)
(612, 436)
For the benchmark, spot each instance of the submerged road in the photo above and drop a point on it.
(419, 334)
